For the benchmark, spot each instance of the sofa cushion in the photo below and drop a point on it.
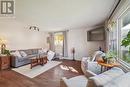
(34, 55)
(122, 81)
(34, 51)
(28, 52)
(21, 59)
(102, 79)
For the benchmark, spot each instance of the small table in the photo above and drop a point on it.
(38, 61)
(4, 62)
(42, 60)
(107, 65)
(34, 62)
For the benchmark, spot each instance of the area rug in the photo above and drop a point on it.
(37, 70)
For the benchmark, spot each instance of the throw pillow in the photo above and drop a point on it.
(23, 54)
(50, 55)
(122, 81)
(40, 51)
(44, 50)
(16, 53)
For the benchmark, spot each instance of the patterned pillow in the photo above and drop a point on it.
(23, 54)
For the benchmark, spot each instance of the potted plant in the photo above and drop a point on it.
(5, 52)
(126, 43)
(109, 56)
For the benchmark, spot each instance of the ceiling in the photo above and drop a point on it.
(56, 15)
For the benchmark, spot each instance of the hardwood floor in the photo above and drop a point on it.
(50, 78)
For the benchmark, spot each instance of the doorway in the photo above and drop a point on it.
(58, 43)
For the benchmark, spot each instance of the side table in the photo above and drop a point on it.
(4, 62)
(107, 65)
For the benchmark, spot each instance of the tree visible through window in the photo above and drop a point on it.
(125, 28)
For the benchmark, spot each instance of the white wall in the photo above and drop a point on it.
(78, 39)
(18, 35)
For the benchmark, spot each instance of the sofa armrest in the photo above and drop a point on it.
(13, 60)
(63, 82)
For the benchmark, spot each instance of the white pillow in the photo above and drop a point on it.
(50, 55)
(40, 51)
(44, 50)
(122, 81)
(23, 54)
(16, 53)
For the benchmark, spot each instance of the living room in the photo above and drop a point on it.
(66, 43)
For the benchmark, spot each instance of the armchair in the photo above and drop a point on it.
(89, 67)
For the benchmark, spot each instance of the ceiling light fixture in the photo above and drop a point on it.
(34, 28)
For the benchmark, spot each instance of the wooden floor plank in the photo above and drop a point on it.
(50, 78)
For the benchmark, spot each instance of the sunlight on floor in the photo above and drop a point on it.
(68, 68)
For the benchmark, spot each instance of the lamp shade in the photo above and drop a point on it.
(2, 41)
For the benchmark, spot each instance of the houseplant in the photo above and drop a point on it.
(109, 56)
(126, 43)
(6, 52)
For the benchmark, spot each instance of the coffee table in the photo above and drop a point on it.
(34, 62)
(38, 61)
(43, 60)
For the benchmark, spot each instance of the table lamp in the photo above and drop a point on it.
(3, 45)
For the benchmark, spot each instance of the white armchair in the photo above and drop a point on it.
(89, 68)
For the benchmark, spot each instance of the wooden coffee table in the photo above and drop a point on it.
(43, 60)
(38, 61)
(34, 62)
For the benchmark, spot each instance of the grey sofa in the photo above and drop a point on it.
(20, 61)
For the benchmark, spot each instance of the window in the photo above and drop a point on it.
(113, 38)
(124, 29)
(58, 42)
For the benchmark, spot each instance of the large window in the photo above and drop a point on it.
(124, 29)
(113, 38)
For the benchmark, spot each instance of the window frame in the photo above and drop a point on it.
(119, 26)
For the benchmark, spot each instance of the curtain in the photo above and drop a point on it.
(65, 45)
(51, 41)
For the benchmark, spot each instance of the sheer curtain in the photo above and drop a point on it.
(65, 45)
(51, 41)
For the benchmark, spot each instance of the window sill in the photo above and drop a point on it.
(124, 65)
